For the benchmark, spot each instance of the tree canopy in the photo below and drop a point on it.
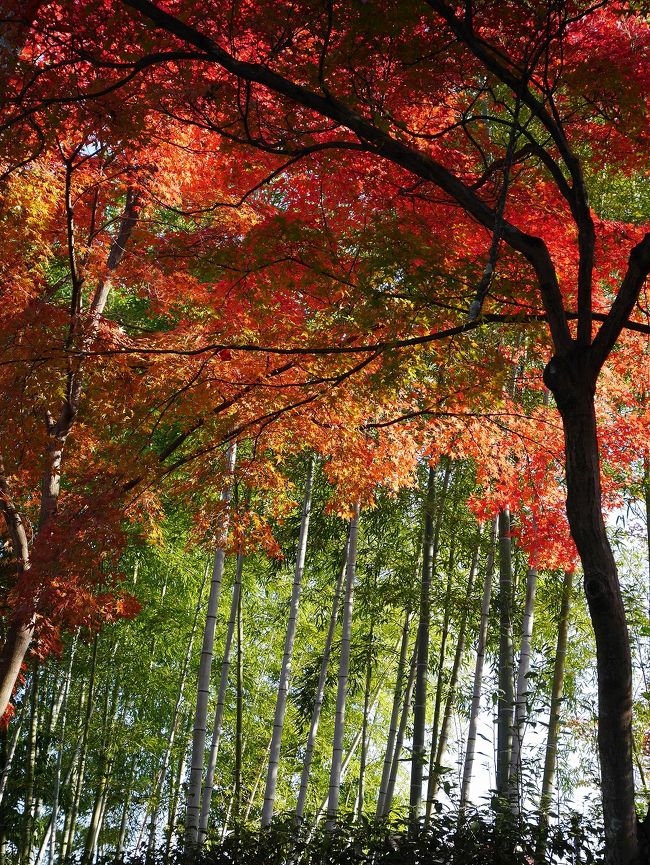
(399, 237)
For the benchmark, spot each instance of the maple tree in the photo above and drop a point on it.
(354, 155)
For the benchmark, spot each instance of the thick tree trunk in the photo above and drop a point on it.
(19, 633)
(205, 666)
(573, 385)
(17, 641)
(285, 673)
(344, 668)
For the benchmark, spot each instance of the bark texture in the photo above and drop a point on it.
(572, 381)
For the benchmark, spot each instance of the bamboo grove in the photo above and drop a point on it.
(324, 453)
(102, 739)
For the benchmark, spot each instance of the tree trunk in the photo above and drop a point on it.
(221, 703)
(57, 430)
(205, 665)
(478, 671)
(283, 686)
(506, 660)
(19, 633)
(394, 717)
(344, 667)
(9, 752)
(444, 636)
(320, 693)
(521, 699)
(572, 382)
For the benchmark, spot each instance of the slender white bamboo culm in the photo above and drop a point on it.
(521, 697)
(208, 787)
(320, 692)
(506, 700)
(401, 731)
(395, 714)
(344, 668)
(205, 664)
(59, 760)
(429, 550)
(345, 764)
(470, 748)
(285, 673)
(437, 768)
(48, 843)
(557, 690)
(176, 715)
(258, 781)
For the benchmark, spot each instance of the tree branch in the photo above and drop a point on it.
(532, 248)
(618, 317)
(576, 195)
